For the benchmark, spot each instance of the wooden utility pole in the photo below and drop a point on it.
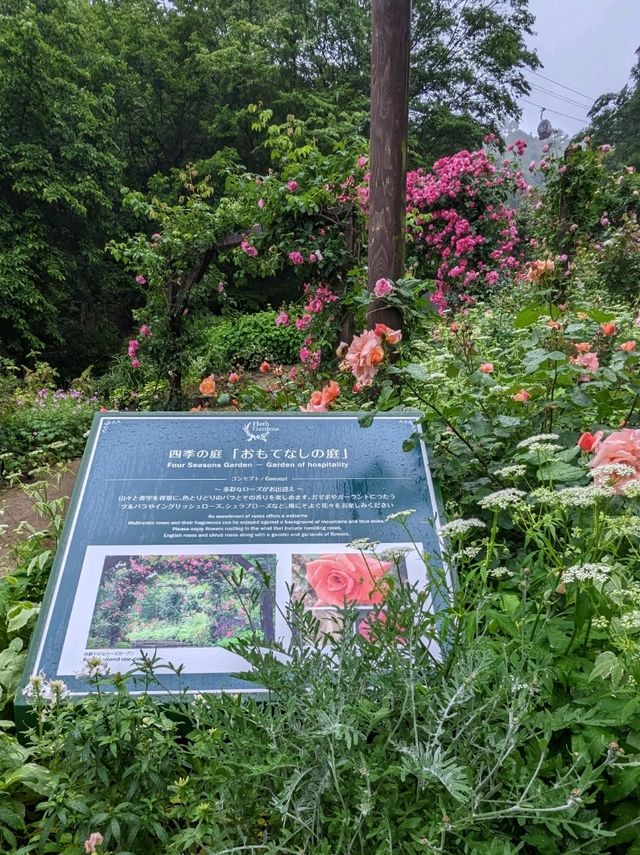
(390, 46)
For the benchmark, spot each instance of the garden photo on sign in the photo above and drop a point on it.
(183, 600)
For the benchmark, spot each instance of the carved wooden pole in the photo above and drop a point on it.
(390, 45)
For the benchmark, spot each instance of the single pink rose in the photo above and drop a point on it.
(383, 288)
(292, 185)
(93, 840)
(351, 578)
(622, 447)
(364, 356)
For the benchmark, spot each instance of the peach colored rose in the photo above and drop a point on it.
(522, 396)
(537, 269)
(486, 367)
(628, 346)
(608, 329)
(351, 578)
(389, 335)
(623, 447)
(583, 347)
(364, 356)
(208, 386)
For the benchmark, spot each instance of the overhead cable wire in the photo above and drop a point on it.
(562, 85)
(557, 113)
(561, 97)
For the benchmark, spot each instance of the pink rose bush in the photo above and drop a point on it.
(346, 578)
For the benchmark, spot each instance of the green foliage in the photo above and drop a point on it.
(41, 425)
(59, 175)
(615, 120)
(244, 341)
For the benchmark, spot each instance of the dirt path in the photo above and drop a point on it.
(18, 508)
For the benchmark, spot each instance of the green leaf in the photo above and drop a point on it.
(606, 665)
(599, 316)
(558, 471)
(529, 315)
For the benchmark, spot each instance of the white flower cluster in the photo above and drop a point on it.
(631, 489)
(500, 572)
(627, 526)
(400, 516)
(364, 544)
(91, 668)
(471, 551)
(631, 620)
(540, 447)
(458, 527)
(502, 499)
(596, 573)
(39, 688)
(581, 497)
(538, 438)
(514, 471)
(396, 554)
(613, 470)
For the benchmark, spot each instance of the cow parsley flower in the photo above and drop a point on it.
(630, 621)
(581, 497)
(455, 528)
(534, 440)
(596, 573)
(612, 471)
(500, 572)
(631, 489)
(400, 516)
(502, 499)
(540, 447)
(514, 471)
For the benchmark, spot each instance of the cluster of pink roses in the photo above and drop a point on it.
(459, 212)
(134, 346)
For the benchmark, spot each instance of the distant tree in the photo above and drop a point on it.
(59, 175)
(615, 119)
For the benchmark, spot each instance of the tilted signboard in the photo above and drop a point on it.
(186, 531)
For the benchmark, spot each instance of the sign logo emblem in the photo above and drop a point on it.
(258, 430)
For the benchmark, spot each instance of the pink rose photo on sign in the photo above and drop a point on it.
(334, 580)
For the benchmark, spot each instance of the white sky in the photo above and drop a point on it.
(588, 45)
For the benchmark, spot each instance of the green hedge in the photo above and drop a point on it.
(246, 340)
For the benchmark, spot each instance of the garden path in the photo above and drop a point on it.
(17, 507)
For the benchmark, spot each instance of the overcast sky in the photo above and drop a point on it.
(588, 45)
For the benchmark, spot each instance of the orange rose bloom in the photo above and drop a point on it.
(608, 329)
(583, 347)
(208, 386)
(330, 392)
(347, 578)
(628, 346)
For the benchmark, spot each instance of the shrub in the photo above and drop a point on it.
(245, 340)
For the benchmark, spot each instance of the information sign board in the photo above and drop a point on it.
(187, 530)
